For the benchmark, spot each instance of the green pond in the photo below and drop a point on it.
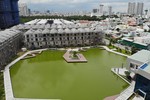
(49, 76)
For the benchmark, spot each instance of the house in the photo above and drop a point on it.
(136, 60)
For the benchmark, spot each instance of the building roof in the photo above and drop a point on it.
(53, 31)
(7, 34)
(141, 56)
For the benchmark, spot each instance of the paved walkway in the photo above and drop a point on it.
(106, 48)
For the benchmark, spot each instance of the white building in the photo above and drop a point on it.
(101, 9)
(136, 60)
(131, 8)
(135, 9)
(23, 9)
(146, 26)
(41, 33)
(139, 10)
(109, 10)
(144, 39)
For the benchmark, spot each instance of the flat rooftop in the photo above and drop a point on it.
(141, 56)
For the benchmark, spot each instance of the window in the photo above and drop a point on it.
(44, 35)
(132, 65)
(136, 66)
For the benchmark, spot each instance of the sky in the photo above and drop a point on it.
(80, 5)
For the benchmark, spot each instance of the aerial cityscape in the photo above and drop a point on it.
(74, 50)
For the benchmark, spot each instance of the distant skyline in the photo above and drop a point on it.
(80, 5)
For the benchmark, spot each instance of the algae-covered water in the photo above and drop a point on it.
(49, 76)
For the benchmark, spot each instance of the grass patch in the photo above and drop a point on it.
(2, 93)
(111, 47)
(119, 50)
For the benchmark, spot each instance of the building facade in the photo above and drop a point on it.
(53, 33)
(131, 8)
(9, 13)
(109, 10)
(63, 37)
(139, 10)
(135, 61)
(10, 42)
(142, 86)
(135, 8)
(101, 9)
(23, 9)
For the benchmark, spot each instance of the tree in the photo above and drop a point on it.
(133, 49)
(127, 73)
(110, 42)
(126, 49)
(74, 54)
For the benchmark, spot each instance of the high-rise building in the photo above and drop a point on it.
(139, 10)
(131, 8)
(135, 9)
(9, 14)
(23, 9)
(101, 9)
(95, 11)
(109, 10)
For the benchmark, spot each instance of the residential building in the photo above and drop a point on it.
(62, 37)
(139, 10)
(95, 11)
(131, 8)
(135, 8)
(101, 9)
(10, 42)
(23, 9)
(136, 60)
(143, 39)
(60, 33)
(109, 10)
(9, 14)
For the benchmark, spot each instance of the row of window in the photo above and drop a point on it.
(56, 38)
(44, 35)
